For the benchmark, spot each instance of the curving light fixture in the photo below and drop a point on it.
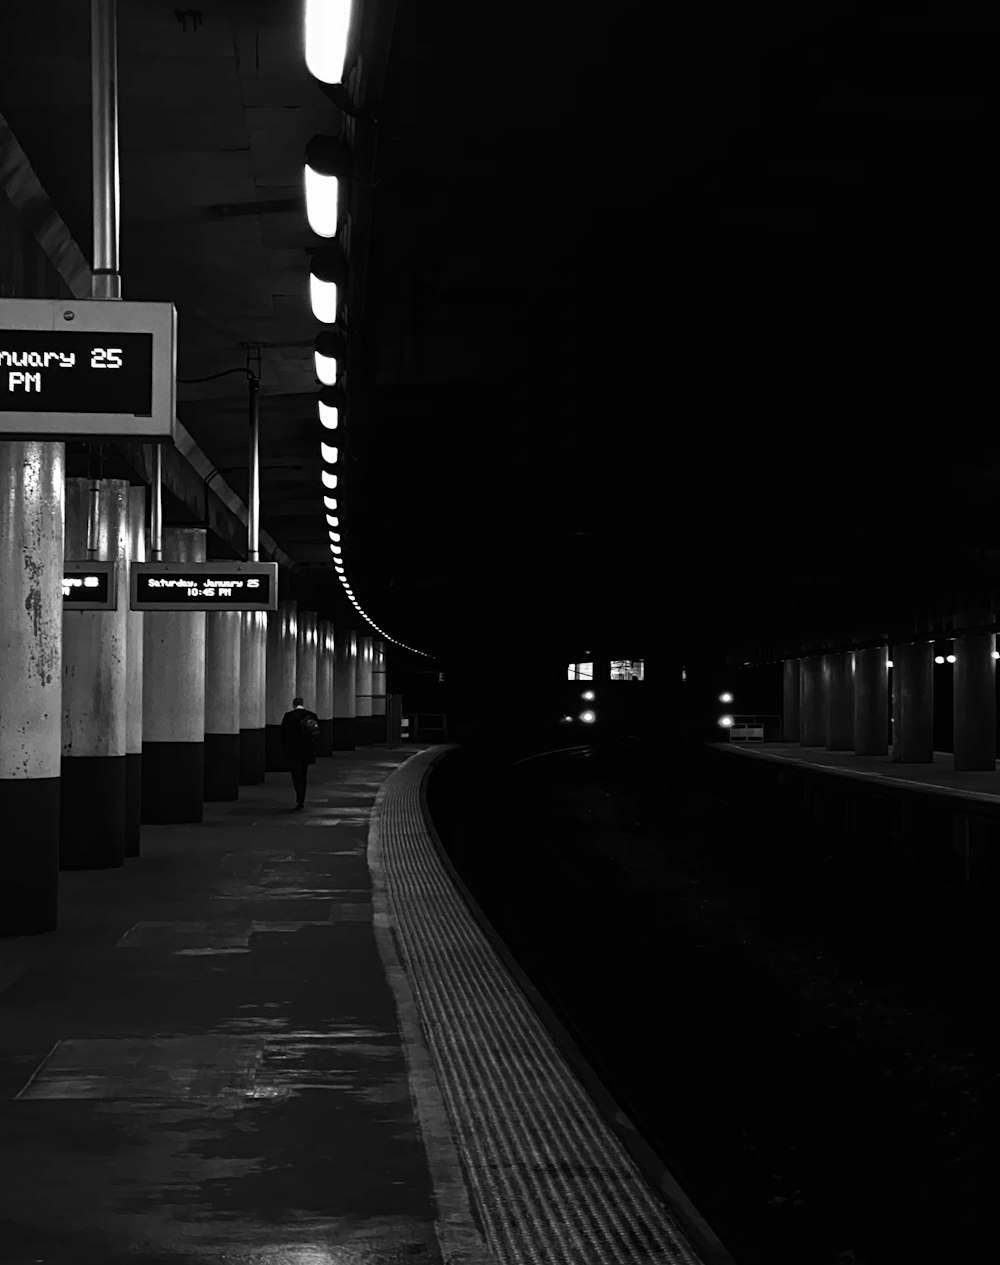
(328, 453)
(326, 369)
(322, 199)
(333, 520)
(329, 480)
(330, 502)
(330, 401)
(327, 158)
(323, 298)
(326, 27)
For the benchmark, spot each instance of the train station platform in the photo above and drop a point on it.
(282, 1038)
(939, 778)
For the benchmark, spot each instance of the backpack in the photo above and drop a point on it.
(310, 728)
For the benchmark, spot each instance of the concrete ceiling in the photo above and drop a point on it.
(655, 330)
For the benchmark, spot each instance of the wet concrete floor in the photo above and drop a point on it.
(203, 1063)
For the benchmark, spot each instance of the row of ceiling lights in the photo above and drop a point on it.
(327, 29)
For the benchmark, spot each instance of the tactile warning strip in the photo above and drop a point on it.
(549, 1180)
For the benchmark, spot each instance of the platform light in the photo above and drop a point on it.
(726, 697)
(588, 718)
(725, 721)
(323, 298)
(333, 520)
(888, 663)
(326, 27)
(335, 535)
(329, 416)
(996, 654)
(329, 454)
(950, 658)
(329, 480)
(939, 658)
(322, 199)
(330, 502)
(326, 369)
(336, 549)
(339, 570)
(589, 695)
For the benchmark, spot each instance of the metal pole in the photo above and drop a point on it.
(156, 510)
(93, 518)
(106, 281)
(253, 508)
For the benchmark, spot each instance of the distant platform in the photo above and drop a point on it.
(939, 778)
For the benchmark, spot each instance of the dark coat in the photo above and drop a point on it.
(295, 744)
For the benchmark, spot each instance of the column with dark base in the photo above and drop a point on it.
(345, 664)
(222, 705)
(93, 790)
(378, 691)
(913, 702)
(812, 713)
(871, 701)
(173, 687)
(253, 640)
(363, 688)
(324, 685)
(31, 569)
(838, 689)
(133, 681)
(282, 629)
(305, 658)
(790, 701)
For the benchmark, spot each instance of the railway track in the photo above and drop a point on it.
(742, 1099)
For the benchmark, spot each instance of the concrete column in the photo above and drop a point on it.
(363, 726)
(324, 685)
(253, 701)
(282, 632)
(378, 677)
(222, 705)
(305, 659)
(790, 700)
(133, 679)
(92, 793)
(345, 669)
(975, 699)
(871, 701)
(913, 703)
(363, 686)
(173, 687)
(812, 718)
(31, 614)
(838, 683)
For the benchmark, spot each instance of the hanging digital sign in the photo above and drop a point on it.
(89, 586)
(87, 369)
(204, 586)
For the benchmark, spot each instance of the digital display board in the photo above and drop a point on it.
(204, 586)
(79, 369)
(89, 586)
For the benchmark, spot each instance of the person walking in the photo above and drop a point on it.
(298, 746)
